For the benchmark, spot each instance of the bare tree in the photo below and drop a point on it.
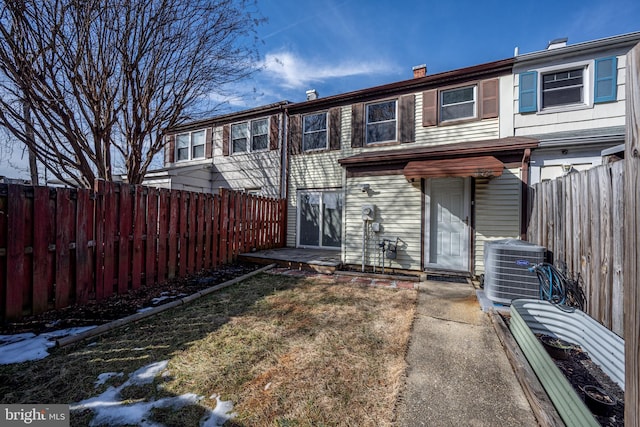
(103, 78)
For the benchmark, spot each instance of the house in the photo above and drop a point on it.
(424, 166)
(572, 99)
(241, 151)
(417, 175)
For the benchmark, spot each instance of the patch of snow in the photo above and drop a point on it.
(220, 415)
(156, 301)
(102, 378)
(109, 409)
(26, 347)
(142, 310)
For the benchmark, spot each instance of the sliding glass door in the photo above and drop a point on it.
(320, 219)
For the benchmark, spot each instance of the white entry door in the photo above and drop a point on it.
(448, 208)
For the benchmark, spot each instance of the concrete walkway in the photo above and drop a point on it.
(458, 372)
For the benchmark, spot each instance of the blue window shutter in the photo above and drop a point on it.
(606, 72)
(528, 92)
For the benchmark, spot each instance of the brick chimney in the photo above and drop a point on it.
(419, 71)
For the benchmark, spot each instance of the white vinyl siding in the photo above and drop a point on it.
(245, 170)
(319, 171)
(497, 202)
(397, 209)
(468, 131)
(608, 114)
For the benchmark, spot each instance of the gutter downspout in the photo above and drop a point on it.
(284, 166)
(524, 214)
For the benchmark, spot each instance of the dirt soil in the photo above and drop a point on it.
(581, 371)
(118, 306)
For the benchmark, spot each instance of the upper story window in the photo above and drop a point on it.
(570, 86)
(250, 136)
(458, 103)
(382, 125)
(190, 145)
(314, 132)
(563, 87)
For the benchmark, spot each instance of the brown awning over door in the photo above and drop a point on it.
(477, 167)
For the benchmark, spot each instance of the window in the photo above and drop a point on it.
(459, 103)
(190, 145)
(259, 135)
(563, 88)
(256, 131)
(570, 86)
(381, 122)
(314, 132)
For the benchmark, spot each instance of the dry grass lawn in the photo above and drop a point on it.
(286, 351)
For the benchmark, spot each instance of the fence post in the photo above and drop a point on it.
(64, 215)
(174, 211)
(43, 236)
(152, 237)
(16, 280)
(632, 237)
(84, 254)
(163, 230)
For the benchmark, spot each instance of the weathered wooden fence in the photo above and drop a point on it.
(580, 218)
(61, 246)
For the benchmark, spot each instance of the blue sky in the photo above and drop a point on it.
(337, 46)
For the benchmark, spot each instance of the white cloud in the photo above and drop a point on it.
(294, 72)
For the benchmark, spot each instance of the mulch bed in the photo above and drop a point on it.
(581, 371)
(118, 306)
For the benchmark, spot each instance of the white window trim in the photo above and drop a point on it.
(587, 86)
(475, 103)
(190, 151)
(326, 130)
(366, 122)
(249, 137)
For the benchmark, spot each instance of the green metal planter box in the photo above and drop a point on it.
(606, 349)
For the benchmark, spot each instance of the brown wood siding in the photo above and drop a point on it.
(489, 99)
(295, 134)
(208, 145)
(274, 132)
(357, 125)
(430, 108)
(335, 128)
(226, 132)
(407, 118)
(170, 149)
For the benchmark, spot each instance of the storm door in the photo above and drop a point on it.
(448, 223)
(320, 219)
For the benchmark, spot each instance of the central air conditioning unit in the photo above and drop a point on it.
(507, 276)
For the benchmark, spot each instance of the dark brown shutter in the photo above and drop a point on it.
(295, 134)
(335, 128)
(274, 132)
(407, 118)
(208, 144)
(169, 149)
(357, 125)
(430, 108)
(489, 98)
(226, 132)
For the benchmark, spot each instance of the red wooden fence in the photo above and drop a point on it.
(61, 246)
